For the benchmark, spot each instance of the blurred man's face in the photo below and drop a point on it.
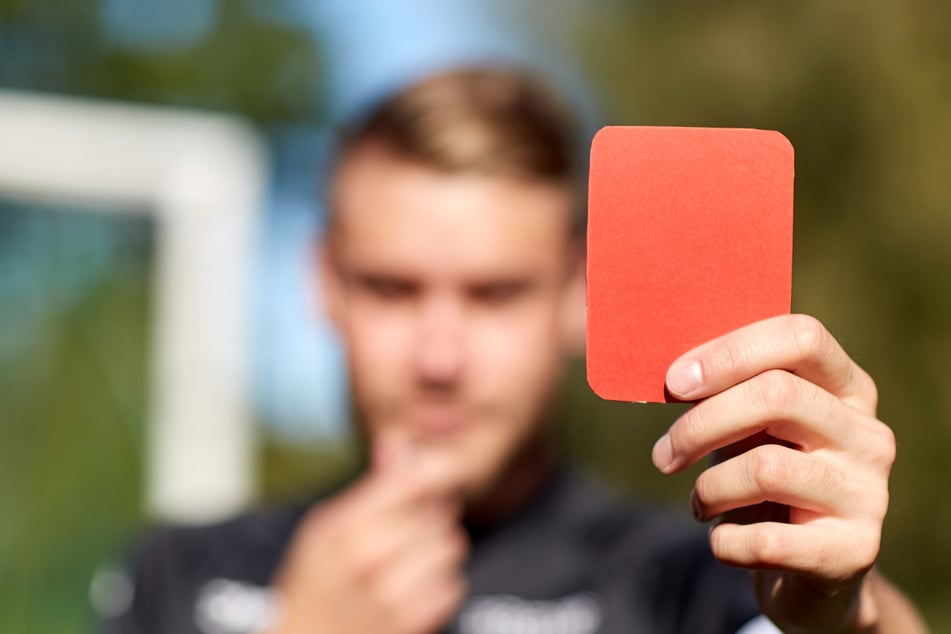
(454, 295)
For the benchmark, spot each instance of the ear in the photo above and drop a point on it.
(574, 310)
(327, 282)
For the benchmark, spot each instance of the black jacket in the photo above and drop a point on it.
(573, 561)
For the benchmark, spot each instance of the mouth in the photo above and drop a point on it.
(438, 419)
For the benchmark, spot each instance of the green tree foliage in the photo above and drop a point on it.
(264, 70)
(72, 405)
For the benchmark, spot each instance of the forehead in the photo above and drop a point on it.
(390, 212)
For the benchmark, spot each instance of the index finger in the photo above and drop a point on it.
(412, 470)
(799, 344)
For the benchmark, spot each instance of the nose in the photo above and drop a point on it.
(439, 353)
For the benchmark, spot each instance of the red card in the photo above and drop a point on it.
(689, 238)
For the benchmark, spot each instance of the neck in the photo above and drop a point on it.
(515, 486)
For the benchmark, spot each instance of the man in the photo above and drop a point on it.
(453, 268)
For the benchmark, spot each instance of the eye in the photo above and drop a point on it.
(496, 293)
(387, 288)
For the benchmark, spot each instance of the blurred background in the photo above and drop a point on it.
(863, 91)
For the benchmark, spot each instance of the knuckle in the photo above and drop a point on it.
(875, 499)
(884, 501)
(875, 508)
(887, 446)
(809, 335)
(868, 389)
(771, 468)
(879, 446)
(777, 391)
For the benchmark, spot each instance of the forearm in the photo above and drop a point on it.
(892, 611)
(797, 606)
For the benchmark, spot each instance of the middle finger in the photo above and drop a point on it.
(776, 402)
(769, 473)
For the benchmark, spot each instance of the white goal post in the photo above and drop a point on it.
(202, 177)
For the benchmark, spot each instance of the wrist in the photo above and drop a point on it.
(799, 604)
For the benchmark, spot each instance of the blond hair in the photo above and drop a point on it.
(494, 121)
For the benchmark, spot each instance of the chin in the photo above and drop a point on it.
(476, 474)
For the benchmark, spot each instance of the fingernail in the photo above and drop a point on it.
(663, 453)
(684, 377)
(695, 507)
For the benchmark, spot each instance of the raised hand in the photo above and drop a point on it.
(799, 474)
